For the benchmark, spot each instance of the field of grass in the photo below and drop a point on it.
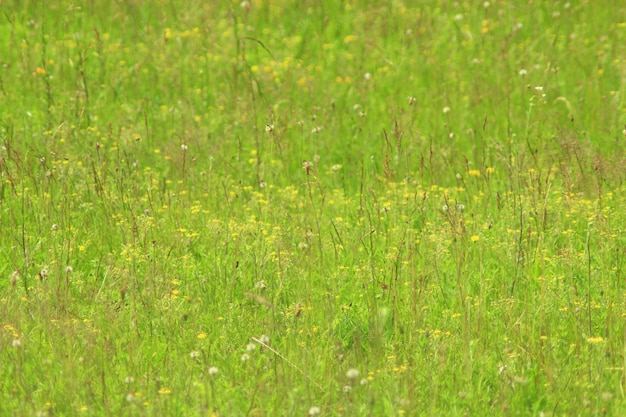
(300, 208)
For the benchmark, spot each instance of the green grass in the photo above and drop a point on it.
(284, 208)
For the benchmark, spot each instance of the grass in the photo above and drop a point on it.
(302, 208)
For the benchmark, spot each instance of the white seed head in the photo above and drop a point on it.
(314, 411)
(352, 373)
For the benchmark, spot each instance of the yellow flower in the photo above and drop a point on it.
(201, 336)
(475, 238)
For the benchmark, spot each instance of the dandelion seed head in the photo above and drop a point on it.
(69, 269)
(194, 354)
(352, 373)
(314, 411)
(446, 110)
(245, 357)
(213, 371)
(264, 339)
(250, 347)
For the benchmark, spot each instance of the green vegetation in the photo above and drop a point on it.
(276, 208)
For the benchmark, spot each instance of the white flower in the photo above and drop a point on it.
(314, 411)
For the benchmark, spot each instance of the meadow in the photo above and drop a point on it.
(281, 208)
